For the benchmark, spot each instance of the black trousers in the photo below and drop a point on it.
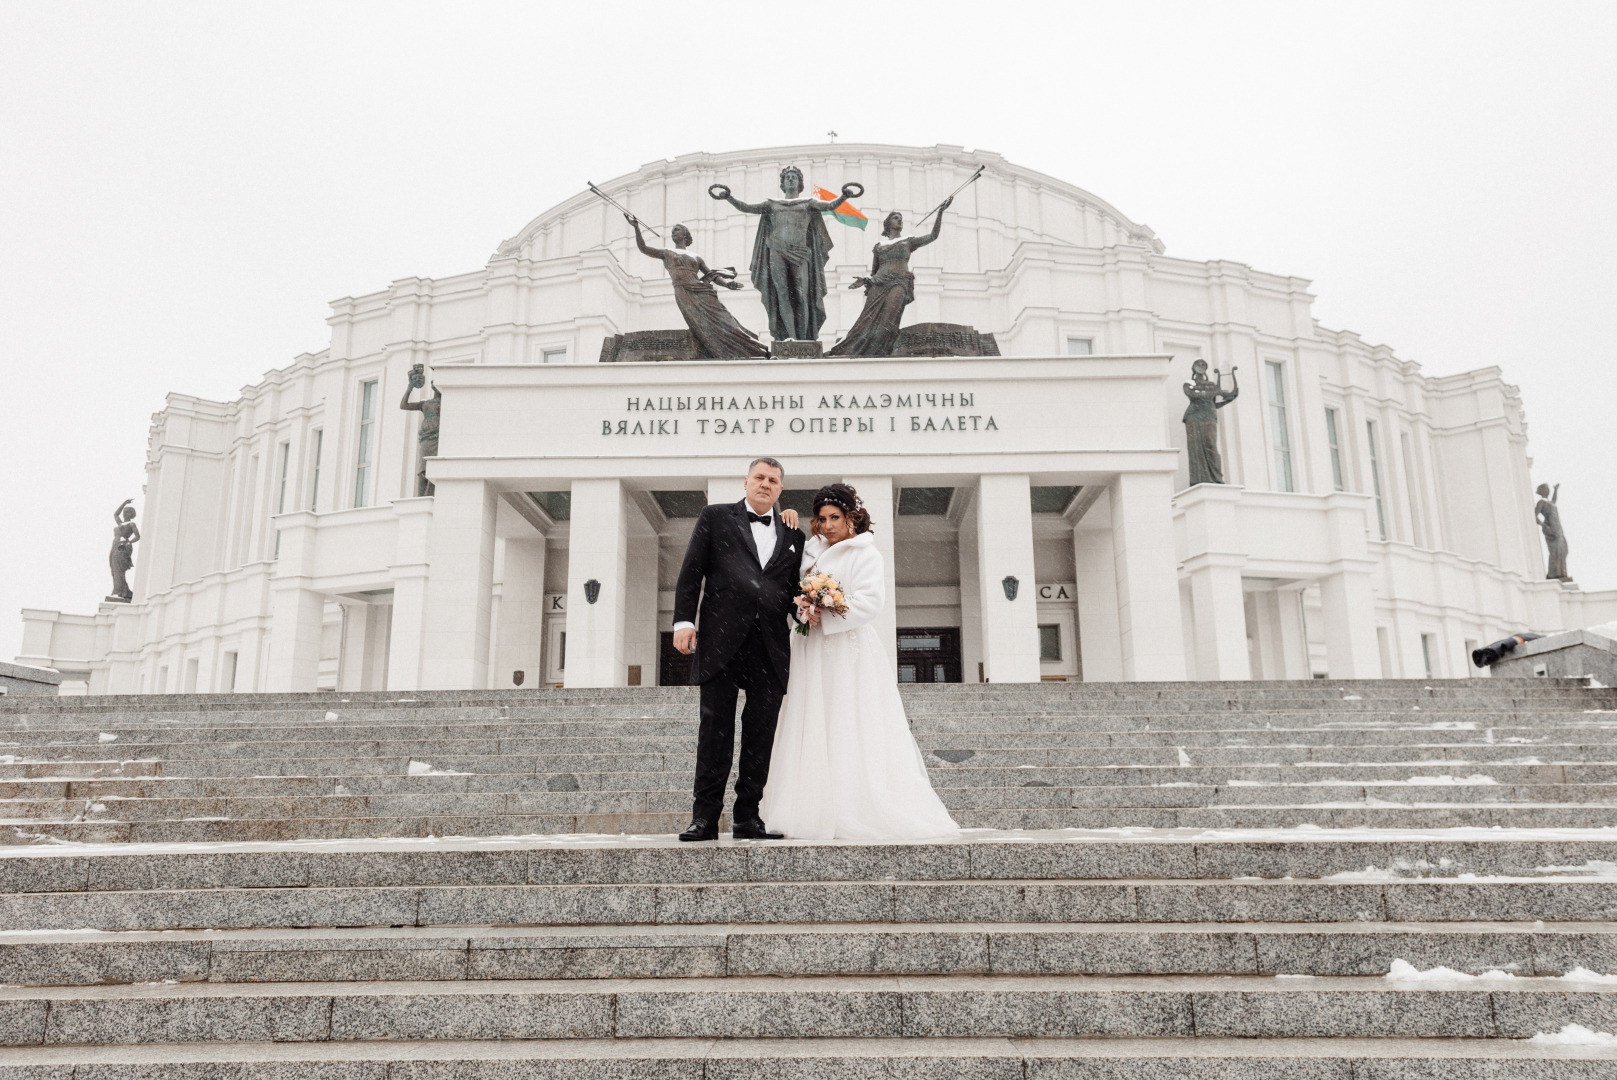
(749, 669)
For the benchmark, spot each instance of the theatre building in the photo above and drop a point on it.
(1029, 489)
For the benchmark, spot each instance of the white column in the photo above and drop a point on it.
(640, 617)
(876, 492)
(1147, 577)
(1293, 634)
(351, 651)
(378, 632)
(972, 666)
(1215, 587)
(522, 609)
(1346, 594)
(460, 585)
(1264, 623)
(598, 550)
(1005, 549)
(1098, 639)
(1213, 559)
(409, 574)
(724, 489)
(1350, 629)
(295, 611)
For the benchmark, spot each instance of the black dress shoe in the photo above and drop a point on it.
(754, 829)
(701, 829)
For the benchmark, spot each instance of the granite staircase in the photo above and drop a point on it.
(1301, 880)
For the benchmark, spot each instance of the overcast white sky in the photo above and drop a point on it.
(185, 187)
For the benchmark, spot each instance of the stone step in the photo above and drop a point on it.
(912, 1058)
(657, 755)
(1079, 717)
(1455, 789)
(1571, 708)
(984, 856)
(1096, 690)
(923, 1006)
(1372, 898)
(942, 774)
(81, 958)
(1469, 798)
(107, 829)
(612, 737)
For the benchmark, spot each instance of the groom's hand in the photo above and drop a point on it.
(685, 640)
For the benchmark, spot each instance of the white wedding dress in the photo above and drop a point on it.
(845, 766)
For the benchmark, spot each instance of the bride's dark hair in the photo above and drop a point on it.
(844, 498)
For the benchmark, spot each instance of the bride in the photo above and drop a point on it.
(845, 765)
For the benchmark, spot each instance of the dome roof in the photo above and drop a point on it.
(1012, 203)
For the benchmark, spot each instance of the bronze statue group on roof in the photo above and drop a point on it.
(789, 258)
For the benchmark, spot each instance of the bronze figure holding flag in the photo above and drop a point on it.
(790, 253)
(889, 289)
(718, 335)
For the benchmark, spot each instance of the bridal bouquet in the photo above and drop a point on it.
(824, 592)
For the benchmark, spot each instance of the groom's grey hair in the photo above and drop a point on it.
(777, 466)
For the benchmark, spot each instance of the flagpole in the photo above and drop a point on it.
(970, 180)
(614, 204)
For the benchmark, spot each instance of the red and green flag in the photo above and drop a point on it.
(847, 213)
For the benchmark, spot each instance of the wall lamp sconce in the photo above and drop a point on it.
(592, 590)
(1010, 583)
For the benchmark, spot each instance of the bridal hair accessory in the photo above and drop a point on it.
(847, 500)
(820, 591)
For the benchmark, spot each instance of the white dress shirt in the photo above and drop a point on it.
(763, 535)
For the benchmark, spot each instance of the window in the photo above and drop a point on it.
(193, 665)
(1050, 642)
(561, 653)
(244, 539)
(314, 481)
(1277, 426)
(554, 356)
(1375, 477)
(1080, 346)
(1332, 436)
(367, 440)
(162, 680)
(1427, 647)
(280, 498)
(228, 682)
(1416, 533)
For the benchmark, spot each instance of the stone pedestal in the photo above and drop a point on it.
(796, 350)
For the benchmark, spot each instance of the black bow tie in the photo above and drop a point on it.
(764, 520)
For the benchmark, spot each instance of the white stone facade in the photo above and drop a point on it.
(1376, 522)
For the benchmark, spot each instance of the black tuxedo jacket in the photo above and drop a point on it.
(739, 591)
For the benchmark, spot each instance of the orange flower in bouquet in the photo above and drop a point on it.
(824, 592)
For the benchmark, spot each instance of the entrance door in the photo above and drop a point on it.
(673, 666)
(930, 654)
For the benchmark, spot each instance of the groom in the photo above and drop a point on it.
(749, 560)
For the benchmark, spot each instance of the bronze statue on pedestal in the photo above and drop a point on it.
(122, 556)
(790, 253)
(427, 438)
(718, 335)
(1206, 396)
(1548, 516)
(889, 289)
